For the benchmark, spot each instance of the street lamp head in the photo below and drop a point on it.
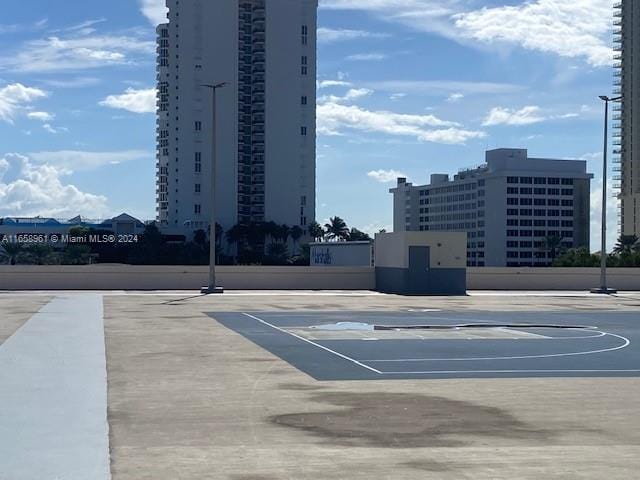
(604, 98)
(216, 85)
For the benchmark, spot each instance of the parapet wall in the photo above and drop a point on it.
(129, 277)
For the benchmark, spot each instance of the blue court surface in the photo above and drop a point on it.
(418, 344)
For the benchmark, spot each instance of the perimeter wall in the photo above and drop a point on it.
(129, 277)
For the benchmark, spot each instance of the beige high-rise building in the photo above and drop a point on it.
(626, 114)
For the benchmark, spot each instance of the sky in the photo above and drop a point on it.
(405, 88)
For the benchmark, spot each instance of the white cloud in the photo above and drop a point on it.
(15, 98)
(351, 95)
(506, 116)
(332, 83)
(76, 160)
(525, 116)
(455, 97)
(576, 28)
(438, 87)
(136, 101)
(54, 130)
(77, 82)
(330, 35)
(41, 116)
(367, 57)
(397, 96)
(39, 190)
(55, 54)
(334, 118)
(154, 10)
(385, 176)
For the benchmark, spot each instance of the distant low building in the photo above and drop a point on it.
(341, 254)
(510, 208)
(17, 226)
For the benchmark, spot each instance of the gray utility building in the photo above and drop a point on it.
(626, 125)
(509, 208)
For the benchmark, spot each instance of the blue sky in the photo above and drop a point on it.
(406, 87)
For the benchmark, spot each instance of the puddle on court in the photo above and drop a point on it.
(342, 326)
(389, 420)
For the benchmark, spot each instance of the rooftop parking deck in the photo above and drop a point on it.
(261, 385)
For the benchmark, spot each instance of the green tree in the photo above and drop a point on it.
(76, 255)
(284, 231)
(11, 252)
(200, 238)
(296, 234)
(577, 257)
(277, 254)
(356, 235)
(627, 244)
(552, 246)
(40, 254)
(337, 229)
(316, 231)
(235, 234)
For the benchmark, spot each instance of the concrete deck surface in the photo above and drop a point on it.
(191, 399)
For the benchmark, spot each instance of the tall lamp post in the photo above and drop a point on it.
(212, 287)
(603, 251)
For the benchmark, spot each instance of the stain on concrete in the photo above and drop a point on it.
(253, 477)
(395, 420)
(431, 466)
(300, 387)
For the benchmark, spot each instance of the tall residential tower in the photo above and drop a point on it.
(627, 113)
(266, 51)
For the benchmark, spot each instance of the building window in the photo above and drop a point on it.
(197, 209)
(198, 188)
(304, 61)
(304, 100)
(303, 131)
(198, 162)
(198, 126)
(305, 34)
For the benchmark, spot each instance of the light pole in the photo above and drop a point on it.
(212, 287)
(603, 251)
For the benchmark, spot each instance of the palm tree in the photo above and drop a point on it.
(296, 234)
(316, 231)
(11, 251)
(284, 232)
(200, 238)
(235, 234)
(627, 244)
(337, 229)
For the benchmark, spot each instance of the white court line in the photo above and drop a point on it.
(480, 372)
(626, 343)
(53, 400)
(314, 344)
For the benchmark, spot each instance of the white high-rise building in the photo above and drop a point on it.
(627, 124)
(266, 116)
